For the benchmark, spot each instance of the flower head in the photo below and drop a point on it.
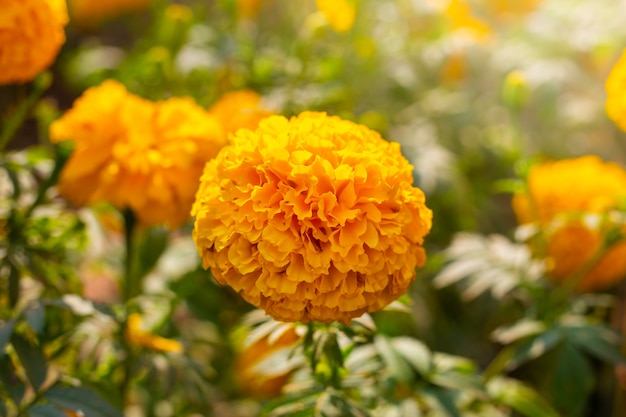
(31, 35)
(569, 201)
(136, 154)
(239, 109)
(311, 218)
(616, 93)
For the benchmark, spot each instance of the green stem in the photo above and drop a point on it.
(130, 290)
(15, 120)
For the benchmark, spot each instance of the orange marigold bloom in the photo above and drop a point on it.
(340, 14)
(616, 93)
(311, 218)
(560, 197)
(133, 153)
(90, 13)
(239, 109)
(261, 368)
(31, 35)
(137, 336)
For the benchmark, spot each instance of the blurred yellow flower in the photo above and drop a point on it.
(133, 153)
(88, 14)
(136, 336)
(239, 109)
(31, 35)
(248, 9)
(511, 7)
(340, 14)
(560, 199)
(463, 21)
(260, 366)
(311, 218)
(616, 92)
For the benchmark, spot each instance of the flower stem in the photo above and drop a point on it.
(130, 290)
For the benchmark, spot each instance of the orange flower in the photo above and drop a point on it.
(90, 13)
(239, 109)
(261, 366)
(136, 154)
(463, 21)
(31, 35)
(136, 336)
(561, 198)
(311, 218)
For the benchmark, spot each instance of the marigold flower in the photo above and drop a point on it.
(31, 35)
(136, 336)
(260, 366)
(340, 14)
(560, 197)
(133, 153)
(88, 13)
(615, 86)
(239, 109)
(463, 21)
(511, 7)
(311, 218)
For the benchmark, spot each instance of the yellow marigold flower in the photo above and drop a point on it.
(239, 109)
(90, 13)
(136, 154)
(256, 367)
(311, 218)
(136, 336)
(340, 14)
(31, 35)
(560, 196)
(512, 7)
(616, 93)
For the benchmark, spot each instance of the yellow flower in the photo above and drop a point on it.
(239, 109)
(340, 14)
(136, 336)
(260, 366)
(31, 35)
(504, 8)
(463, 21)
(248, 9)
(561, 197)
(616, 93)
(133, 153)
(89, 13)
(311, 218)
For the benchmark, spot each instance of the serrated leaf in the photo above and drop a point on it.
(520, 397)
(597, 340)
(90, 403)
(6, 330)
(573, 382)
(414, 352)
(32, 359)
(45, 410)
(398, 367)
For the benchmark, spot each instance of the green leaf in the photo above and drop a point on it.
(534, 347)
(151, 246)
(45, 410)
(14, 285)
(414, 352)
(518, 330)
(520, 397)
(441, 400)
(299, 404)
(573, 382)
(90, 403)
(8, 377)
(3, 408)
(32, 359)
(597, 340)
(6, 330)
(36, 316)
(398, 366)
